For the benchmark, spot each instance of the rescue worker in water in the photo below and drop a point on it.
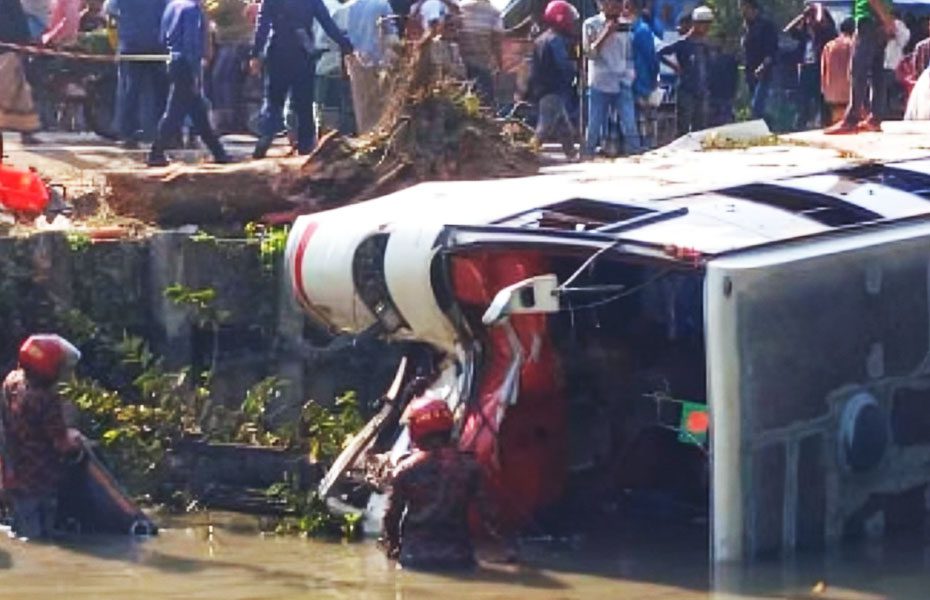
(34, 441)
(426, 522)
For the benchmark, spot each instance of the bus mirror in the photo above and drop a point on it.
(534, 295)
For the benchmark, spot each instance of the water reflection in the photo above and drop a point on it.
(233, 561)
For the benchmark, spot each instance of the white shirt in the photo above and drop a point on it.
(894, 50)
(611, 65)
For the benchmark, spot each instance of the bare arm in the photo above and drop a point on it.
(883, 15)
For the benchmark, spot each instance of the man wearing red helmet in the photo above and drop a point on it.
(552, 77)
(426, 521)
(33, 435)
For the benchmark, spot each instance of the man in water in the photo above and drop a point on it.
(34, 440)
(426, 522)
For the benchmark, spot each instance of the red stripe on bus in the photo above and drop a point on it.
(308, 232)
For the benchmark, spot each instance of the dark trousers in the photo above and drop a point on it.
(759, 93)
(289, 75)
(809, 96)
(692, 112)
(227, 79)
(140, 98)
(867, 73)
(185, 100)
(33, 513)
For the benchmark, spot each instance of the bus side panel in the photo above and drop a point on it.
(800, 339)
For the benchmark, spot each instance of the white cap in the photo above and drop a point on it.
(702, 14)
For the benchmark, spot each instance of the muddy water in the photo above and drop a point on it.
(191, 560)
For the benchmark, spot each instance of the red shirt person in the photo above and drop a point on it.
(426, 523)
(33, 433)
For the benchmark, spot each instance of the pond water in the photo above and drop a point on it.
(225, 557)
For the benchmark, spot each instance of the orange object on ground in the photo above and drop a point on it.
(22, 191)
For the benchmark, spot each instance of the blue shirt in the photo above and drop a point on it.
(645, 59)
(137, 23)
(368, 23)
(183, 29)
(286, 26)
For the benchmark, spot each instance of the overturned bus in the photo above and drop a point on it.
(761, 349)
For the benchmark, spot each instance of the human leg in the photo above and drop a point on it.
(626, 112)
(863, 50)
(553, 123)
(33, 514)
(127, 98)
(760, 95)
(302, 105)
(598, 105)
(200, 121)
(180, 100)
(277, 85)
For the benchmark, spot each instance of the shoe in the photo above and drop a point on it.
(222, 158)
(870, 125)
(29, 139)
(130, 144)
(841, 128)
(262, 147)
(157, 159)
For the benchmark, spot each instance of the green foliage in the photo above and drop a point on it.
(202, 302)
(78, 241)
(272, 241)
(248, 424)
(309, 515)
(328, 430)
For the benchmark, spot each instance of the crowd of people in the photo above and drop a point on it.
(617, 68)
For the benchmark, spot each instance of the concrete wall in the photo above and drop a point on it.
(90, 291)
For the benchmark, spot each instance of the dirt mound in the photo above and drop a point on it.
(432, 130)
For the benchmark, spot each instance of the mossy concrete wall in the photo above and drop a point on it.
(91, 291)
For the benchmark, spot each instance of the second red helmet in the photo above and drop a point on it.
(426, 416)
(561, 16)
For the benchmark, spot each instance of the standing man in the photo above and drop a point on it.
(692, 65)
(372, 30)
(813, 29)
(552, 76)
(284, 44)
(874, 27)
(233, 37)
(834, 71)
(760, 47)
(646, 81)
(434, 488)
(33, 437)
(17, 110)
(480, 38)
(184, 32)
(142, 86)
(894, 54)
(607, 41)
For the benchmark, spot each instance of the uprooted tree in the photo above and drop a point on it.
(431, 128)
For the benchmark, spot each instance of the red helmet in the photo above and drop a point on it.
(561, 16)
(47, 355)
(426, 416)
